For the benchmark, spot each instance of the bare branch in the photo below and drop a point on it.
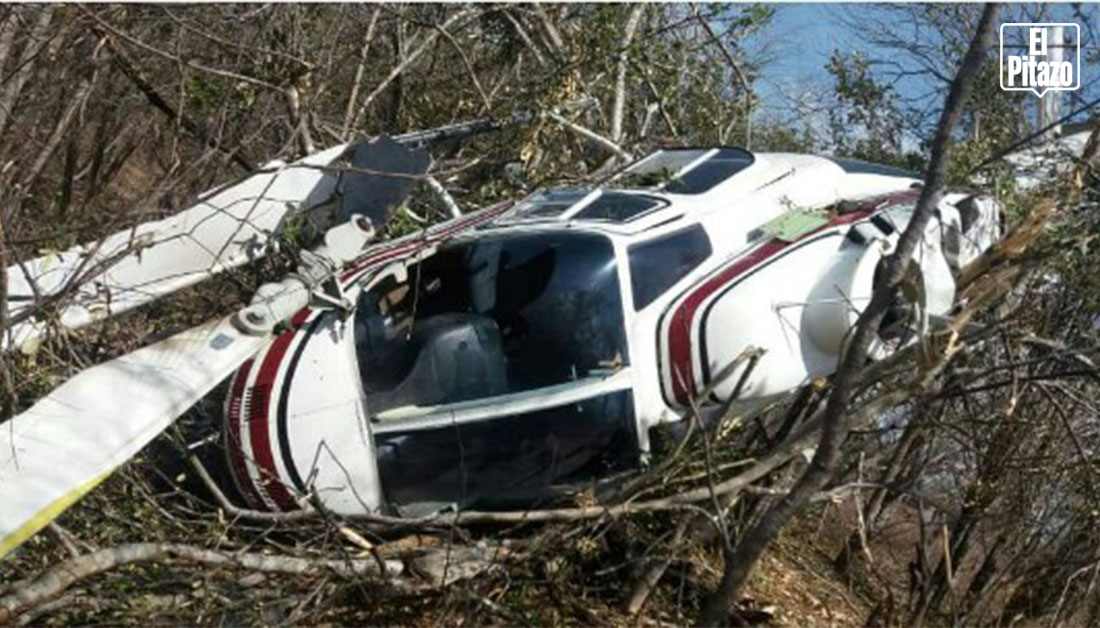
(424, 46)
(187, 63)
(524, 36)
(138, 78)
(590, 134)
(738, 72)
(353, 97)
(13, 86)
(485, 102)
(55, 581)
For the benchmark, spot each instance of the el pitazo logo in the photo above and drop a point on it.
(1052, 60)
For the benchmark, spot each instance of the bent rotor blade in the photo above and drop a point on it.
(229, 228)
(72, 439)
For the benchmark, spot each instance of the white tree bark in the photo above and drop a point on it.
(629, 31)
(349, 113)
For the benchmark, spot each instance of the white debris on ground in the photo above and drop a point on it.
(1043, 161)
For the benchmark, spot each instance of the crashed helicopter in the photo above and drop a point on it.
(485, 361)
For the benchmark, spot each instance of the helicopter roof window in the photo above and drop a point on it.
(723, 164)
(490, 316)
(551, 202)
(658, 167)
(619, 206)
(685, 170)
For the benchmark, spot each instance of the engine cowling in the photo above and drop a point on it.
(840, 295)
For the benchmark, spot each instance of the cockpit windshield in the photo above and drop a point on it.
(490, 316)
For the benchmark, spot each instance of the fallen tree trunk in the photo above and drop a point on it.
(439, 567)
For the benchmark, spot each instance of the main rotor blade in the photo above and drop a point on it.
(229, 228)
(72, 439)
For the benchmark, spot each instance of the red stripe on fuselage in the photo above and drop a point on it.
(682, 371)
(259, 416)
(415, 245)
(235, 416)
(679, 330)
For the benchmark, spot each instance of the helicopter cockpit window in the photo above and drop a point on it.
(550, 202)
(615, 206)
(492, 316)
(659, 263)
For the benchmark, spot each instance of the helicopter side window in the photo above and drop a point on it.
(659, 263)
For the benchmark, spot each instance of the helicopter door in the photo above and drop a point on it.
(517, 450)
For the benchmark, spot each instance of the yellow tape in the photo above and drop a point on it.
(47, 514)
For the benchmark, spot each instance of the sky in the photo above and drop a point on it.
(796, 48)
(801, 38)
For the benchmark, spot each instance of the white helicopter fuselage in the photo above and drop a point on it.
(506, 383)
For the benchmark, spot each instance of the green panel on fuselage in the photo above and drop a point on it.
(794, 224)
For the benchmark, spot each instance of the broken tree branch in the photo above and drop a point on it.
(360, 69)
(422, 571)
(590, 134)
